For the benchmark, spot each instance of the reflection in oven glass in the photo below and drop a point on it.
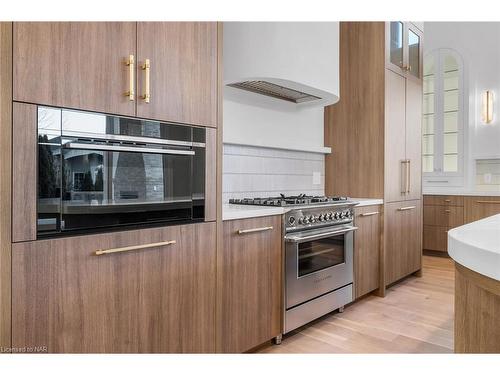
(320, 254)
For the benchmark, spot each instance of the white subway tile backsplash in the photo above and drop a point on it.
(258, 172)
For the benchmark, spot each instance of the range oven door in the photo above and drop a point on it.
(317, 262)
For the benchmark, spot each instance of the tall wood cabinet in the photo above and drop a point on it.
(375, 132)
(160, 70)
(158, 292)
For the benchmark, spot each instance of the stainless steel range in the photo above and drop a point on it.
(318, 243)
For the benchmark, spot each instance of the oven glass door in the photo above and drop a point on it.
(317, 255)
(111, 188)
(317, 262)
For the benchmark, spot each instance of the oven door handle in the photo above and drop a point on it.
(145, 150)
(299, 239)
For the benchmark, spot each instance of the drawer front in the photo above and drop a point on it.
(445, 216)
(436, 238)
(443, 200)
(156, 298)
(477, 208)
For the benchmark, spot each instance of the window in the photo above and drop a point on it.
(442, 127)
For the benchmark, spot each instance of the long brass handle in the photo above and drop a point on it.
(405, 174)
(369, 213)
(447, 211)
(447, 200)
(131, 66)
(254, 230)
(147, 68)
(408, 169)
(136, 247)
(494, 202)
(406, 208)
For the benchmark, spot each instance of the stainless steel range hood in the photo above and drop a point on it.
(295, 62)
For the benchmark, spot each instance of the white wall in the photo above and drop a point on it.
(303, 52)
(269, 124)
(479, 45)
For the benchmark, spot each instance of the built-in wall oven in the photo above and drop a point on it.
(318, 262)
(99, 171)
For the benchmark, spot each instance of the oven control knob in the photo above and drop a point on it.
(306, 220)
(291, 220)
(320, 217)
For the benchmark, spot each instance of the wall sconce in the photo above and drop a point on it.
(487, 107)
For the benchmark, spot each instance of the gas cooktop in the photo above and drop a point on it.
(293, 200)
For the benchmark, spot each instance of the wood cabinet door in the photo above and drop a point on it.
(183, 71)
(367, 249)
(403, 239)
(249, 284)
(477, 208)
(152, 300)
(395, 136)
(74, 64)
(414, 138)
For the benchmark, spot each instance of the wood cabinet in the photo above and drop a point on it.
(403, 239)
(478, 207)
(158, 299)
(376, 129)
(183, 71)
(87, 65)
(249, 283)
(367, 241)
(403, 138)
(74, 64)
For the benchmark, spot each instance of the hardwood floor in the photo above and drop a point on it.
(416, 316)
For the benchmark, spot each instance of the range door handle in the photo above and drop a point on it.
(294, 237)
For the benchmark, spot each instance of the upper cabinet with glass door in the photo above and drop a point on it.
(404, 49)
(443, 104)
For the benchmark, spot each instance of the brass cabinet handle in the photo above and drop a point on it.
(408, 168)
(254, 230)
(131, 92)
(406, 208)
(447, 200)
(447, 211)
(369, 213)
(147, 69)
(136, 247)
(486, 202)
(403, 173)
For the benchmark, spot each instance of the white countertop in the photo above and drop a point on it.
(242, 211)
(477, 246)
(451, 191)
